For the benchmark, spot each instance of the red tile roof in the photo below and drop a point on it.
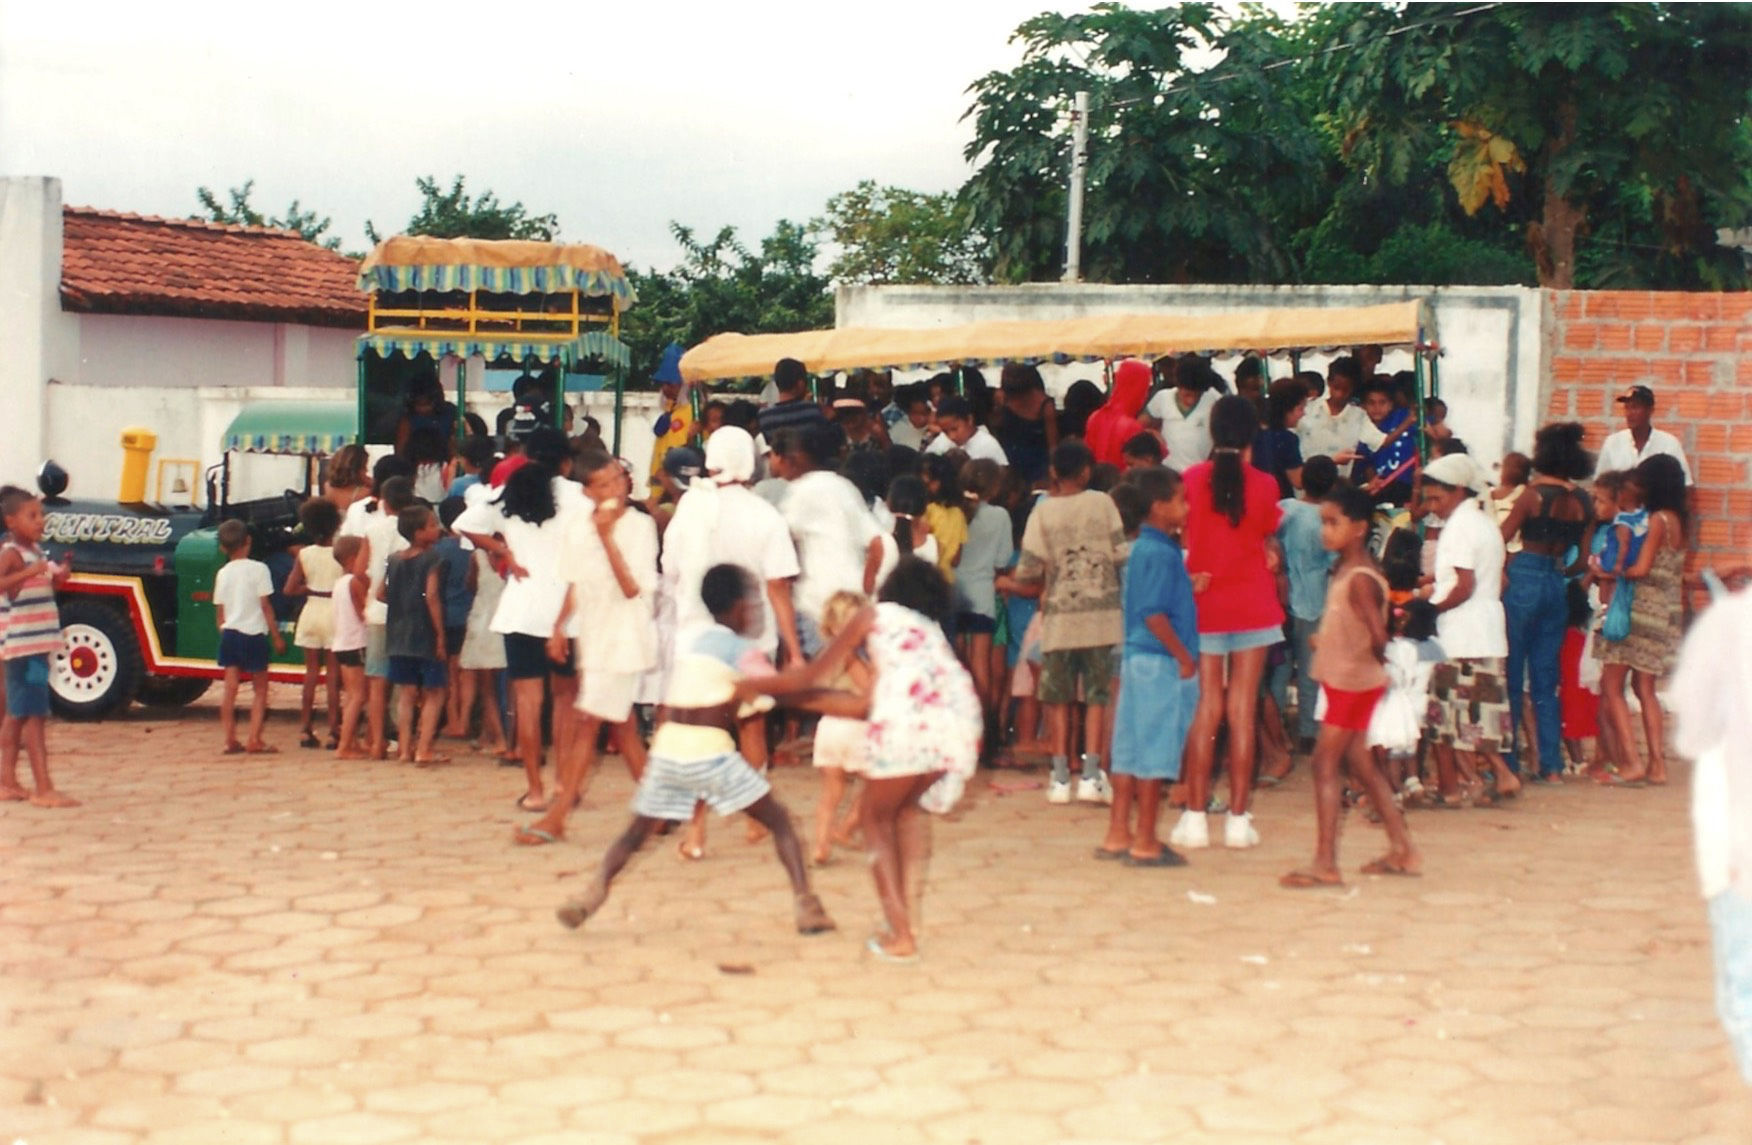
(115, 263)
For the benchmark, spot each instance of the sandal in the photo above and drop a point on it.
(875, 947)
(1309, 880)
(1389, 866)
(309, 740)
(535, 836)
(523, 804)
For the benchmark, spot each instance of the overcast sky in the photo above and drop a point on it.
(617, 118)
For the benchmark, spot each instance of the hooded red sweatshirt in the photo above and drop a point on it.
(1116, 422)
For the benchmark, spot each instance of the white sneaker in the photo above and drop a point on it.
(1238, 832)
(1058, 791)
(1191, 833)
(1096, 790)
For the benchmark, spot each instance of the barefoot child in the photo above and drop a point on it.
(413, 592)
(349, 602)
(246, 621)
(694, 757)
(31, 635)
(313, 577)
(840, 741)
(1349, 655)
(1158, 674)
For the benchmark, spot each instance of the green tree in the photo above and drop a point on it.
(1620, 124)
(720, 286)
(238, 211)
(1194, 173)
(452, 214)
(894, 235)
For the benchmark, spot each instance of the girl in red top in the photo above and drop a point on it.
(1232, 554)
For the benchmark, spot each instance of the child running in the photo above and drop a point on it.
(349, 602)
(313, 577)
(924, 733)
(413, 592)
(245, 616)
(30, 637)
(693, 755)
(1348, 661)
(1158, 674)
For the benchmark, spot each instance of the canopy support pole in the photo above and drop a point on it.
(460, 429)
(359, 400)
(620, 405)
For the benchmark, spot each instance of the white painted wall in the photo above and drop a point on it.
(30, 302)
(133, 350)
(1491, 372)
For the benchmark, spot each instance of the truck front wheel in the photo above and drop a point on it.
(98, 669)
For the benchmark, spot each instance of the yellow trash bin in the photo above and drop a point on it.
(137, 447)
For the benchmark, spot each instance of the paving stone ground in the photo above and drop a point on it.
(294, 950)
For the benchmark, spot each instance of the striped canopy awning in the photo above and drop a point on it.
(509, 266)
(595, 345)
(317, 428)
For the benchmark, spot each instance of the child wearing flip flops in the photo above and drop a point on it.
(1159, 686)
(1350, 663)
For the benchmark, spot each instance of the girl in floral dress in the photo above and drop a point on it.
(924, 730)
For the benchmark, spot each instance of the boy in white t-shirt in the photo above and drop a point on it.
(245, 615)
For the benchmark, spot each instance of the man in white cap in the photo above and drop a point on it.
(1469, 710)
(1639, 439)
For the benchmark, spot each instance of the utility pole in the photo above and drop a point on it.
(1079, 167)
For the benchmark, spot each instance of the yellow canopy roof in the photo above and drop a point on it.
(419, 262)
(1073, 339)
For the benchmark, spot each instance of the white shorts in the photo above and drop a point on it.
(607, 695)
(841, 742)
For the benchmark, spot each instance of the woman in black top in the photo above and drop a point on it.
(1026, 424)
(1553, 517)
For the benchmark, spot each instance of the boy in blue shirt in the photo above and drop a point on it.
(1158, 673)
(1307, 564)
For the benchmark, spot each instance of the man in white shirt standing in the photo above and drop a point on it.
(1183, 414)
(1639, 440)
(1334, 427)
(837, 539)
(960, 431)
(1469, 714)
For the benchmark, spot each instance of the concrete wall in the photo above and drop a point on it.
(143, 350)
(1490, 336)
(30, 305)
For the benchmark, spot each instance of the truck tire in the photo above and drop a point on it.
(171, 691)
(98, 670)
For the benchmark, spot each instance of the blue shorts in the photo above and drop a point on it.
(376, 651)
(1223, 643)
(245, 651)
(416, 672)
(27, 687)
(1154, 715)
(670, 787)
(809, 637)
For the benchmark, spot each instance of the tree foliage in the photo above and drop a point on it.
(1568, 144)
(450, 213)
(894, 235)
(721, 285)
(238, 211)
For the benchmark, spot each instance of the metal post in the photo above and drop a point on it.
(359, 400)
(620, 397)
(460, 430)
(1079, 168)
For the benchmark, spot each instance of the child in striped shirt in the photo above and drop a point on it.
(31, 636)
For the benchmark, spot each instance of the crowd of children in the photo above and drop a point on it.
(945, 575)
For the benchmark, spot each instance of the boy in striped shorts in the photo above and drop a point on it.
(693, 756)
(30, 639)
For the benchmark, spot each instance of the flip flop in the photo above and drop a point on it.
(310, 741)
(1163, 858)
(262, 749)
(874, 946)
(1307, 880)
(234, 749)
(1107, 856)
(1614, 780)
(523, 804)
(535, 837)
(1388, 867)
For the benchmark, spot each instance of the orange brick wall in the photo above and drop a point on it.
(1695, 352)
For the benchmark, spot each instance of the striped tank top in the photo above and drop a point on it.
(33, 623)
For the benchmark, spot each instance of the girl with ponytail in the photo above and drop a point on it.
(1232, 554)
